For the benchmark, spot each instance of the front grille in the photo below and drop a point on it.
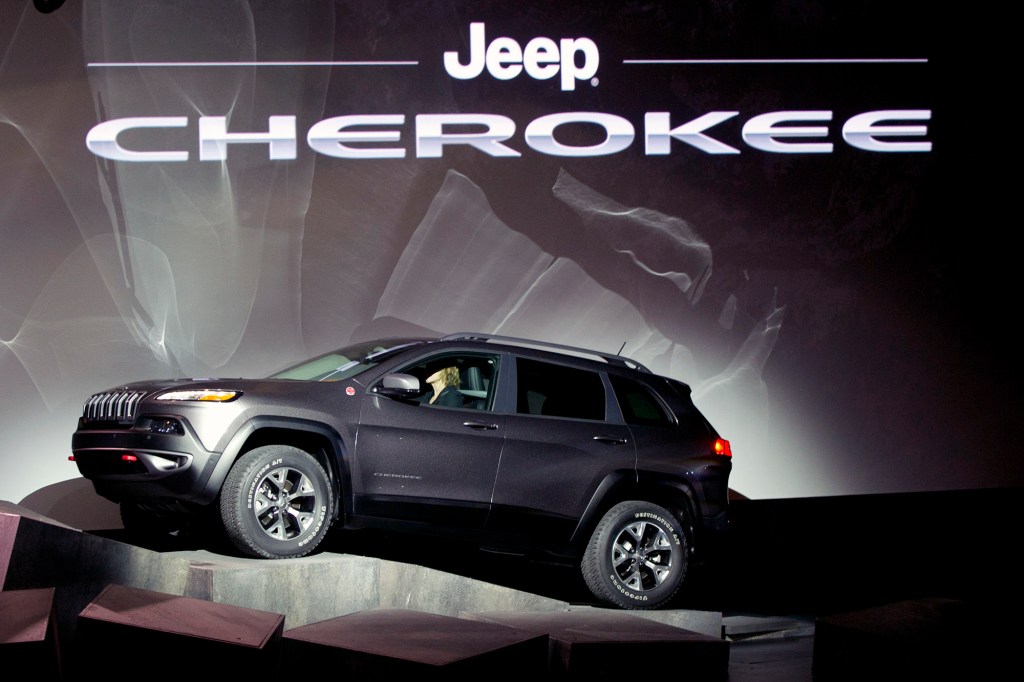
(116, 406)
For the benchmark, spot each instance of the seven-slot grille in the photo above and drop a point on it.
(116, 406)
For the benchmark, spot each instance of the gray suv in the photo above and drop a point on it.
(518, 445)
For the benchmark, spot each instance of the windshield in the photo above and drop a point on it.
(345, 362)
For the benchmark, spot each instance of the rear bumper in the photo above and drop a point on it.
(713, 536)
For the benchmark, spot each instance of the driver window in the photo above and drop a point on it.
(461, 381)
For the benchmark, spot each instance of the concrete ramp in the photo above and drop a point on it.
(90, 574)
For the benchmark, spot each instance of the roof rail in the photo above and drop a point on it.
(610, 358)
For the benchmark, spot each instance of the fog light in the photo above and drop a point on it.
(167, 427)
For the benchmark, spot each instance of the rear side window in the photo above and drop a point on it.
(638, 404)
(556, 391)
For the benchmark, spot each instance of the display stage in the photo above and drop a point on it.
(908, 586)
(99, 602)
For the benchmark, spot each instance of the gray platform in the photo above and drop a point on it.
(314, 593)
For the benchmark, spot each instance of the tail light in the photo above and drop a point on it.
(722, 447)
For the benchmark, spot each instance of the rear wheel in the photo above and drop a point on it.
(637, 556)
(276, 503)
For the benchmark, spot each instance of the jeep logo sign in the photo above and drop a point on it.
(542, 58)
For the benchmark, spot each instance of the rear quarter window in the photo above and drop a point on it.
(638, 403)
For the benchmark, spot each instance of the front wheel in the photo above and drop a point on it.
(276, 503)
(637, 556)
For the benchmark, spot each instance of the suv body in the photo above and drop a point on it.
(533, 447)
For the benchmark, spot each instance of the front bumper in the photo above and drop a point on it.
(136, 464)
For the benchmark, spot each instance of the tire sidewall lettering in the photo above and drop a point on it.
(310, 534)
(665, 524)
(626, 592)
(251, 495)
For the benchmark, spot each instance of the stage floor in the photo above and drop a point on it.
(806, 588)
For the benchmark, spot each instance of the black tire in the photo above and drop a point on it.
(637, 556)
(276, 503)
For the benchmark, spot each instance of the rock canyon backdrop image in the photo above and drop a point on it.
(793, 206)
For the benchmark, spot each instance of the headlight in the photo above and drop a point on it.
(207, 395)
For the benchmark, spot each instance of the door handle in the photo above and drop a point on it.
(480, 425)
(610, 440)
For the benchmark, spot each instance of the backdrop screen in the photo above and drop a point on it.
(787, 205)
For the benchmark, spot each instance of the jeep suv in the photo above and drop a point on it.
(520, 445)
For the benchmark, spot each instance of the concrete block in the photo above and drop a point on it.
(307, 590)
(29, 638)
(598, 644)
(407, 586)
(168, 636)
(384, 644)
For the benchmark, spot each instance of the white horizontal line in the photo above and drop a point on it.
(159, 64)
(774, 61)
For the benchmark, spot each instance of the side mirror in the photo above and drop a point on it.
(401, 386)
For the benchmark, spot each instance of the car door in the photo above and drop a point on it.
(433, 463)
(565, 437)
